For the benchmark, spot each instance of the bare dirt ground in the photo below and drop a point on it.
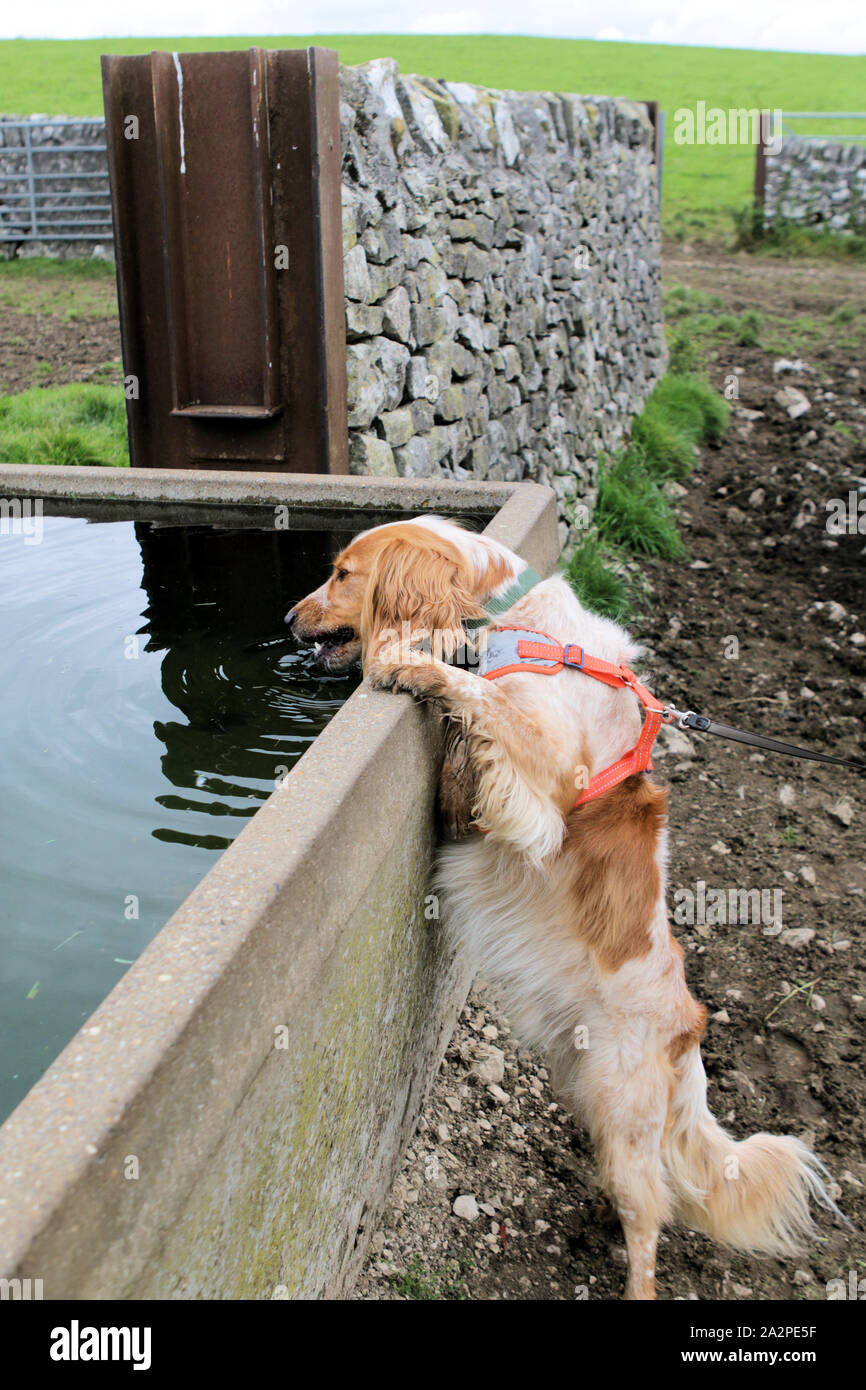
(787, 998)
(55, 331)
(784, 1047)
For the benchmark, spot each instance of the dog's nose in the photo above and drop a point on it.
(290, 616)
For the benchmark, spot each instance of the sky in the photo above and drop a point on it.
(833, 26)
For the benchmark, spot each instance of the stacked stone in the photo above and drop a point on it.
(502, 270)
(502, 274)
(817, 182)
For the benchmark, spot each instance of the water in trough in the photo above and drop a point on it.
(148, 702)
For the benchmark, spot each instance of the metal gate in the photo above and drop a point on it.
(45, 194)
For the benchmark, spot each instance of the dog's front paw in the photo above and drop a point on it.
(381, 675)
(416, 675)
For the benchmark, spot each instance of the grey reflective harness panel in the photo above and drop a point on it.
(501, 653)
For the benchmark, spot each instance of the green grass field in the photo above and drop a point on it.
(77, 424)
(702, 183)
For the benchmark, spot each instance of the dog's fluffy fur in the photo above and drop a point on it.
(564, 909)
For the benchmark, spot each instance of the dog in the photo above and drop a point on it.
(562, 906)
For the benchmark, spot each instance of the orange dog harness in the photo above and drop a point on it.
(517, 649)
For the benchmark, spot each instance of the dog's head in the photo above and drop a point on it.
(427, 573)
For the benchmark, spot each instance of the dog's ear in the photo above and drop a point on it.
(424, 583)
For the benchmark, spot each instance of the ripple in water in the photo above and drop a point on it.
(149, 700)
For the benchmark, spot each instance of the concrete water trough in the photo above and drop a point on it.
(228, 1121)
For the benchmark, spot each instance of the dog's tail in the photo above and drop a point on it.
(753, 1194)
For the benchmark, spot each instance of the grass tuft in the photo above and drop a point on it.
(694, 320)
(792, 240)
(749, 329)
(633, 511)
(634, 514)
(597, 575)
(667, 452)
(681, 412)
(684, 357)
(419, 1283)
(77, 424)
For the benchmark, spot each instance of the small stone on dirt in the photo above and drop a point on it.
(673, 741)
(843, 811)
(793, 401)
(489, 1069)
(797, 937)
(466, 1208)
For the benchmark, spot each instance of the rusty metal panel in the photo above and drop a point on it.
(226, 200)
(330, 299)
(220, 287)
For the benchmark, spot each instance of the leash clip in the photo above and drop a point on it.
(690, 720)
(684, 718)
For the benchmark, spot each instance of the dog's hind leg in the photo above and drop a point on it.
(625, 1100)
(457, 790)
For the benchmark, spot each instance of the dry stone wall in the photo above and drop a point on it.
(817, 182)
(502, 267)
(502, 273)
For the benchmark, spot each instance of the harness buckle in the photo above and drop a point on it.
(567, 658)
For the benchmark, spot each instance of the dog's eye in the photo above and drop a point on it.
(341, 574)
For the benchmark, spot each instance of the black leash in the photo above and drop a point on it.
(690, 720)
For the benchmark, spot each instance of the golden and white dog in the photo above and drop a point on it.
(563, 909)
